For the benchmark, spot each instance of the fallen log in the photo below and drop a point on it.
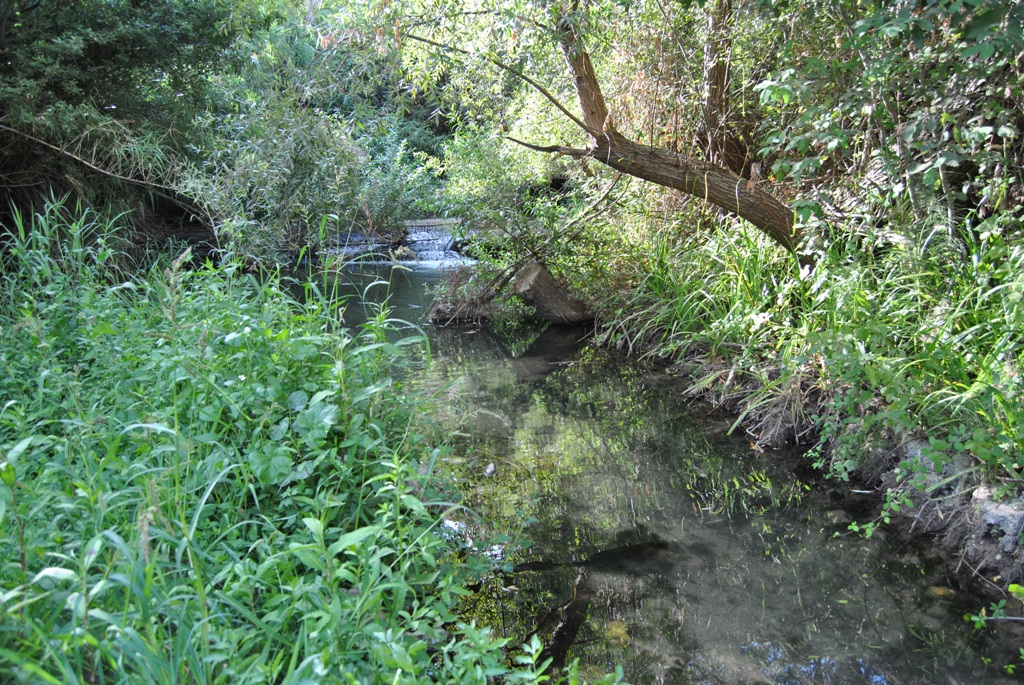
(538, 288)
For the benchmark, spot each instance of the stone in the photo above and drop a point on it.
(538, 288)
(1004, 520)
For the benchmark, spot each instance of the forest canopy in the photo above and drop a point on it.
(827, 111)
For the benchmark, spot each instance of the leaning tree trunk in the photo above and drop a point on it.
(713, 182)
(535, 284)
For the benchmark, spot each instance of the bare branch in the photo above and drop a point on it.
(558, 149)
(589, 212)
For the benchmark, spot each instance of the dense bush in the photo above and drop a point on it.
(111, 84)
(255, 119)
(205, 480)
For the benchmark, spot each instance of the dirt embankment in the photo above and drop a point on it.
(978, 532)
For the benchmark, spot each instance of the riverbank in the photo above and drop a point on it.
(897, 369)
(894, 364)
(897, 480)
(207, 480)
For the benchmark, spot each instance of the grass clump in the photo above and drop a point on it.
(206, 481)
(888, 338)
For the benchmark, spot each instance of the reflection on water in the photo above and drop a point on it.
(663, 544)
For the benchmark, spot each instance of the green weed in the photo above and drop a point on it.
(918, 334)
(207, 481)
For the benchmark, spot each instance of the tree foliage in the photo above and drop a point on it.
(98, 86)
(278, 124)
(919, 98)
(916, 103)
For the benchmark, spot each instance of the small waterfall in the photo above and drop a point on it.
(430, 242)
(428, 246)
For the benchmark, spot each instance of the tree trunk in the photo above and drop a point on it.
(716, 81)
(719, 140)
(713, 182)
(573, 616)
(535, 284)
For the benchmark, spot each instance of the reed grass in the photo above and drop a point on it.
(915, 335)
(205, 480)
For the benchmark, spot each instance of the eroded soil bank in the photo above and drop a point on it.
(978, 532)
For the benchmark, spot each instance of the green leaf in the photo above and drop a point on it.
(309, 556)
(102, 328)
(272, 463)
(92, 551)
(352, 539)
(298, 400)
(279, 430)
(16, 658)
(315, 527)
(155, 427)
(209, 413)
(19, 449)
(55, 573)
(314, 422)
(984, 24)
(322, 395)
(982, 50)
(8, 475)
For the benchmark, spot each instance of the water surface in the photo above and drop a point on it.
(658, 541)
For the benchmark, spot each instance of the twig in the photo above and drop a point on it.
(975, 572)
(595, 203)
(503, 277)
(559, 149)
(167, 191)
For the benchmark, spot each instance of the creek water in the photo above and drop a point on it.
(627, 526)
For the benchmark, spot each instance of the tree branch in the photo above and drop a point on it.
(164, 191)
(712, 182)
(512, 70)
(559, 149)
(502, 279)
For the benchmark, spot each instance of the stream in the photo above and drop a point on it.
(628, 526)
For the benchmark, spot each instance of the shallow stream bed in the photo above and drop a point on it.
(657, 540)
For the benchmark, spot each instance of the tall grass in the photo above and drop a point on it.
(918, 335)
(206, 481)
